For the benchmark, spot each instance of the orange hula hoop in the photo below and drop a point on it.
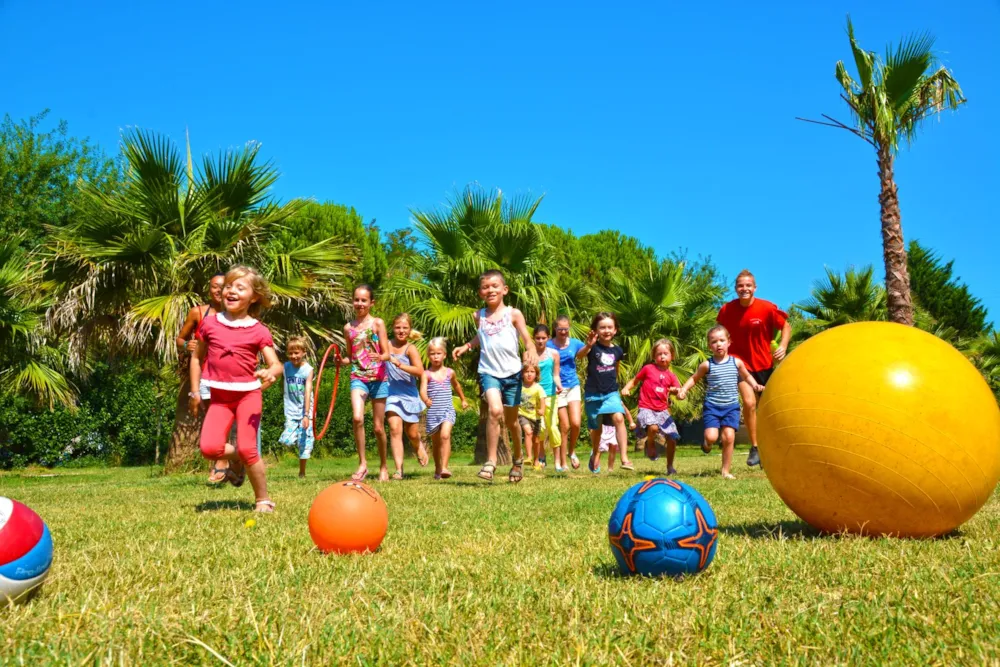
(336, 382)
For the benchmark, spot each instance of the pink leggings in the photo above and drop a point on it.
(244, 408)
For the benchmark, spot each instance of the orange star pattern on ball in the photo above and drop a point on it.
(628, 544)
(653, 482)
(702, 540)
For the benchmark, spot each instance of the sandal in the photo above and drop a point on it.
(234, 478)
(217, 475)
(264, 506)
(516, 471)
(445, 474)
(574, 460)
(486, 472)
(398, 475)
(360, 475)
(628, 466)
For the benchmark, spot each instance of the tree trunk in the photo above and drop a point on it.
(187, 428)
(897, 276)
(503, 447)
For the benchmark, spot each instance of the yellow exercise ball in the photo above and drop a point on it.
(880, 429)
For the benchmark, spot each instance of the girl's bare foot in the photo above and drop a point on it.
(383, 474)
(445, 473)
(398, 475)
(727, 475)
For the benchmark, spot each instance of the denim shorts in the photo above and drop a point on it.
(596, 405)
(509, 388)
(721, 416)
(374, 389)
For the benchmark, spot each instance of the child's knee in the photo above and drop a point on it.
(379, 430)
(617, 419)
(496, 413)
(358, 420)
(213, 450)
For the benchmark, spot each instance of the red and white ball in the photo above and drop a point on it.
(25, 550)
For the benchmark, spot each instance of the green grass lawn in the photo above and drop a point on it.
(157, 570)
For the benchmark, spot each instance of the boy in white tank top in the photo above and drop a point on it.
(497, 330)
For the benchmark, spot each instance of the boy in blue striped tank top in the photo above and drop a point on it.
(721, 413)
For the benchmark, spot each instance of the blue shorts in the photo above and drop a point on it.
(596, 405)
(374, 389)
(721, 416)
(509, 388)
(296, 436)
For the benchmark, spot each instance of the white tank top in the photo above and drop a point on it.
(498, 351)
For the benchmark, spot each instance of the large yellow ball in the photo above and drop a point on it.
(880, 428)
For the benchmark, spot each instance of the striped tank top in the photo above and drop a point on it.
(722, 382)
(442, 408)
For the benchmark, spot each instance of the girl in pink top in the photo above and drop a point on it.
(228, 345)
(658, 383)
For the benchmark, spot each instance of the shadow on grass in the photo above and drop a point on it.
(764, 530)
(218, 505)
(607, 571)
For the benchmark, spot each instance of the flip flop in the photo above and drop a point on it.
(628, 466)
(360, 475)
(397, 476)
(264, 506)
(217, 475)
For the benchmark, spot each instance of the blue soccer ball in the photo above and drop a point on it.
(662, 527)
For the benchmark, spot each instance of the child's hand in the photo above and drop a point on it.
(674, 391)
(192, 346)
(465, 404)
(626, 391)
(305, 422)
(459, 351)
(591, 338)
(266, 378)
(194, 402)
(428, 402)
(559, 387)
(757, 387)
(779, 353)
(681, 394)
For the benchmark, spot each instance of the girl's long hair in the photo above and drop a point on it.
(259, 285)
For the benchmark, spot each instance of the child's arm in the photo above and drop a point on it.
(630, 385)
(693, 380)
(746, 377)
(517, 319)
(462, 349)
(383, 338)
(457, 386)
(631, 420)
(415, 367)
(274, 370)
(555, 370)
(585, 350)
(341, 359)
(307, 413)
(194, 395)
(182, 336)
(423, 389)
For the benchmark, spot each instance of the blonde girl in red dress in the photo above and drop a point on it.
(229, 343)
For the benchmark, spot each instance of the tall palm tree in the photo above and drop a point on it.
(888, 103)
(31, 364)
(667, 301)
(135, 260)
(478, 230)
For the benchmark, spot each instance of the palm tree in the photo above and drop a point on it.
(135, 260)
(888, 102)
(839, 299)
(668, 301)
(479, 230)
(30, 363)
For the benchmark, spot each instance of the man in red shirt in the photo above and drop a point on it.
(752, 324)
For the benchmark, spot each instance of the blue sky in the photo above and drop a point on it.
(670, 121)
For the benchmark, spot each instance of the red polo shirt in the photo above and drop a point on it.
(751, 330)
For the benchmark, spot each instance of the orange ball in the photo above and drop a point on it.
(348, 517)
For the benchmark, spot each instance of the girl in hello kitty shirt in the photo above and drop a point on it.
(600, 391)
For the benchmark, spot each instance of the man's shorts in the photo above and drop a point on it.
(567, 396)
(762, 376)
(721, 416)
(509, 388)
(374, 388)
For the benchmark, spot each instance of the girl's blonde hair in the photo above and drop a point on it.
(257, 283)
(662, 342)
(414, 334)
(439, 342)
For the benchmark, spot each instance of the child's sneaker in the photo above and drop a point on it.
(754, 458)
(541, 461)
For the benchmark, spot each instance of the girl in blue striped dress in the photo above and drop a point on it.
(722, 375)
(436, 386)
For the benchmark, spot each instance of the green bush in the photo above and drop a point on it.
(119, 420)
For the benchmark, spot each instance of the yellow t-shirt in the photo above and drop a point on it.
(532, 398)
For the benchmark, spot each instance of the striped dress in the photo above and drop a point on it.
(722, 382)
(442, 407)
